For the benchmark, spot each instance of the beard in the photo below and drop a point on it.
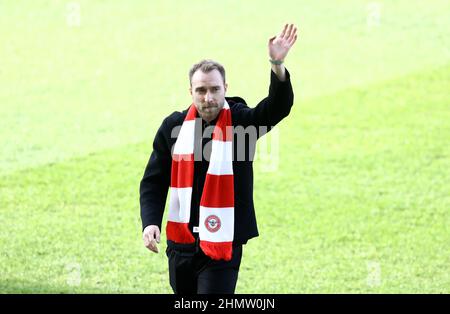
(209, 111)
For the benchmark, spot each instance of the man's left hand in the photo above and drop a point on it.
(279, 45)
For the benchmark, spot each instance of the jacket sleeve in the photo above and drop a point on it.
(156, 180)
(272, 109)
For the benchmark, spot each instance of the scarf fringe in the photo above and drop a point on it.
(217, 251)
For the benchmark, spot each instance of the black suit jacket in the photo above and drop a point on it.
(156, 180)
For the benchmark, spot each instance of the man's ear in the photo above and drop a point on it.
(190, 90)
(225, 87)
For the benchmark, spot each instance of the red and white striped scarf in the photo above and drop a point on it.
(216, 229)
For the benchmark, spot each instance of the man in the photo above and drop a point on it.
(211, 213)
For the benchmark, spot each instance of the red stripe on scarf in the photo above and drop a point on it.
(192, 113)
(179, 232)
(219, 250)
(223, 130)
(182, 174)
(218, 191)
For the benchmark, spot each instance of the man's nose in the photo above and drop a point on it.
(208, 97)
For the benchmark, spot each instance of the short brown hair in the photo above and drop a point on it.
(207, 66)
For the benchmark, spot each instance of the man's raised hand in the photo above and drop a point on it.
(279, 45)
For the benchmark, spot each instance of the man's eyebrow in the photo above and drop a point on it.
(203, 87)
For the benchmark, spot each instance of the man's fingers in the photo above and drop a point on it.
(156, 248)
(292, 41)
(146, 239)
(292, 37)
(294, 32)
(150, 243)
(284, 30)
(152, 246)
(289, 31)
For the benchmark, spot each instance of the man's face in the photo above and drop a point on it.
(208, 93)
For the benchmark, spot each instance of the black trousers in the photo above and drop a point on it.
(192, 272)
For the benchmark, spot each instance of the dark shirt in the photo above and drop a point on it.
(156, 180)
